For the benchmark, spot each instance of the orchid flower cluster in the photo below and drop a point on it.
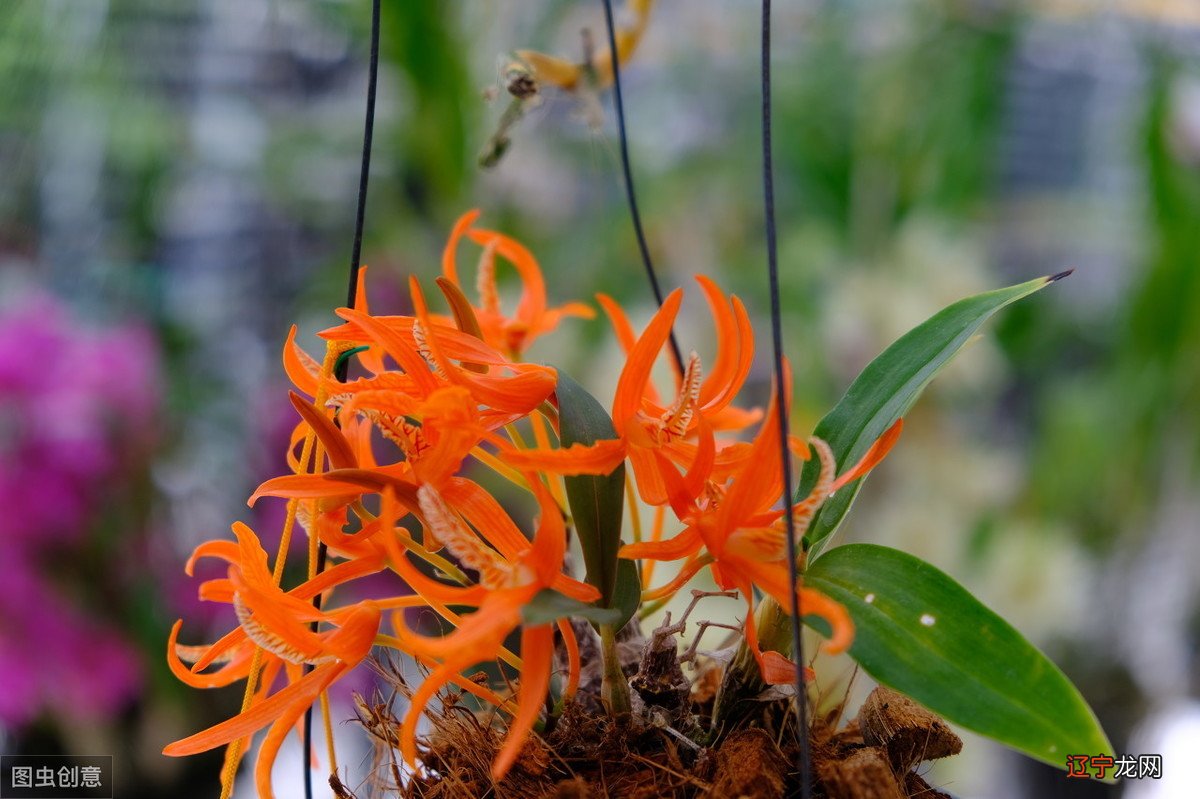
(380, 476)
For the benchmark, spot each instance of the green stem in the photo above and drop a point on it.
(614, 690)
(743, 679)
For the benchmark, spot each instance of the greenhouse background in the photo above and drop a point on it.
(177, 186)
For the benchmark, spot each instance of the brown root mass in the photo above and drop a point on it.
(663, 748)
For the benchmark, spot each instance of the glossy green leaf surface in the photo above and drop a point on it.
(549, 605)
(888, 387)
(921, 633)
(597, 501)
(627, 596)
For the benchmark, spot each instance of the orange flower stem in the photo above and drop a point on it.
(541, 437)
(409, 601)
(518, 441)
(547, 410)
(494, 463)
(328, 717)
(313, 560)
(234, 751)
(514, 435)
(437, 561)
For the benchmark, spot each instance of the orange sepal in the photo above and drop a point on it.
(337, 448)
(878, 451)
(599, 458)
(778, 670)
(537, 650)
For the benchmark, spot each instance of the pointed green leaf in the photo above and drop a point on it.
(920, 632)
(627, 596)
(549, 605)
(888, 387)
(597, 501)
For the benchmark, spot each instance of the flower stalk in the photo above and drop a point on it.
(614, 689)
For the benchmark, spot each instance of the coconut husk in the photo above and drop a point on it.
(664, 751)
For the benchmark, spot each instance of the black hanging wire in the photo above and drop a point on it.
(780, 401)
(630, 194)
(343, 364)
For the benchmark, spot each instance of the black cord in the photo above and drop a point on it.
(630, 194)
(343, 364)
(780, 401)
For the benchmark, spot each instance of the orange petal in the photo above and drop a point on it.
(449, 267)
(551, 70)
(428, 689)
(632, 384)
(571, 644)
(575, 589)
(236, 669)
(778, 670)
(486, 515)
(398, 347)
(688, 571)
(599, 458)
(550, 538)
(301, 368)
(537, 650)
(308, 486)
(686, 543)
(773, 578)
(301, 694)
(279, 731)
(533, 297)
(812, 601)
(728, 345)
(224, 550)
(878, 451)
(337, 448)
(758, 484)
(648, 477)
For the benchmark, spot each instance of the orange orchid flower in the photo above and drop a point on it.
(277, 622)
(702, 404)
(568, 75)
(657, 438)
(737, 532)
(531, 319)
(508, 581)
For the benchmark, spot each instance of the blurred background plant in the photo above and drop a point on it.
(177, 184)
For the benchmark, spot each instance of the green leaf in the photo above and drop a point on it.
(889, 386)
(597, 502)
(549, 605)
(627, 596)
(920, 632)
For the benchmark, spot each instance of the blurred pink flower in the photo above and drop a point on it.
(77, 411)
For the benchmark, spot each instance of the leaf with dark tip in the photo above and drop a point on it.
(549, 605)
(597, 501)
(888, 387)
(921, 633)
